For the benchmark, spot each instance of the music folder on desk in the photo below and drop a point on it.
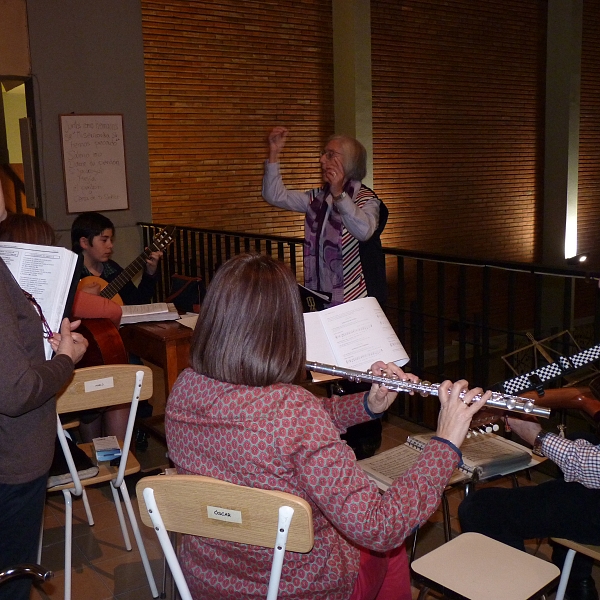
(484, 456)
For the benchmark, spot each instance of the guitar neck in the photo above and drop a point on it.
(161, 240)
(126, 275)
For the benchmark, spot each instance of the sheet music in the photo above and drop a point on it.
(489, 454)
(352, 335)
(46, 272)
(484, 448)
(386, 467)
(393, 464)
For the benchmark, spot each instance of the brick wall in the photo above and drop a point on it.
(457, 90)
(458, 101)
(219, 75)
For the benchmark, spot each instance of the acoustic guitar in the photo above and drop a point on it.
(111, 290)
(105, 345)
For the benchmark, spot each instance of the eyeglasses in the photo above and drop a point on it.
(329, 154)
(47, 331)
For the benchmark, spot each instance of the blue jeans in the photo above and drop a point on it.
(21, 513)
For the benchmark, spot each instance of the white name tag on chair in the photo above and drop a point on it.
(99, 384)
(224, 514)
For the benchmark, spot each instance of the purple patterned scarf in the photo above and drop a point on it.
(323, 232)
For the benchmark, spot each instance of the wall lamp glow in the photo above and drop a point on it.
(577, 259)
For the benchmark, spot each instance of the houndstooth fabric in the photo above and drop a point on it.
(562, 366)
(282, 437)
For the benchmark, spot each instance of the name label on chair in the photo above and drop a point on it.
(99, 384)
(224, 514)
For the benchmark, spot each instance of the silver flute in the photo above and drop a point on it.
(498, 400)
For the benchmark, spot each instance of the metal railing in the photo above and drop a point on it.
(457, 318)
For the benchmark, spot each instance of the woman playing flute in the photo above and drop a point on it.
(237, 415)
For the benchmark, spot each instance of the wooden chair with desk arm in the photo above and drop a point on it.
(443, 568)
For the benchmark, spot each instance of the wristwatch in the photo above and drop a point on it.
(537, 443)
(340, 197)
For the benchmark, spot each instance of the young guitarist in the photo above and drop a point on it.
(92, 235)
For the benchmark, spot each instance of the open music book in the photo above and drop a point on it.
(143, 313)
(484, 456)
(48, 274)
(352, 335)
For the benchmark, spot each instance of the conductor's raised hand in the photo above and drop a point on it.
(456, 412)
(276, 138)
(334, 174)
(381, 397)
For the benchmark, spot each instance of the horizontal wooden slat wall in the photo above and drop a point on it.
(588, 200)
(458, 90)
(219, 75)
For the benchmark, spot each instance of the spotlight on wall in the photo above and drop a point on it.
(578, 259)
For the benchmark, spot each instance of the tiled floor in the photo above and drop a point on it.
(103, 569)
(101, 566)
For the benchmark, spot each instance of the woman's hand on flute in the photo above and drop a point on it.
(380, 397)
(456, 412)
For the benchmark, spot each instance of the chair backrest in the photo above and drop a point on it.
(104, 385)
(189, 503)
(207, 507)
(98, 387)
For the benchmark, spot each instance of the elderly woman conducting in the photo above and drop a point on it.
(344, 219)
(238, 416)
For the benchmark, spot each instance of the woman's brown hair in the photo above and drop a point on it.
(250, 329)
(26, 229)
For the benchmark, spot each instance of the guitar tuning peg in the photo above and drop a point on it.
(495, 427)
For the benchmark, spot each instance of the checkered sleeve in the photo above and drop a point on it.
(578, 460)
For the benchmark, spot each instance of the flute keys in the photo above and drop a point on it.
(528, 406)
(510, 402)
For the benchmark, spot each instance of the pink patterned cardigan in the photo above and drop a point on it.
(282, 437)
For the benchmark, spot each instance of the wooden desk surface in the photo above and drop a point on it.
(475, 566)
(163, 330)
(165, 344)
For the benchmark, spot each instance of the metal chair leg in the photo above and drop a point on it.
(446, 512)
(566, 571)
(88, 510)
(68, 541)
(138, 539)
(117, 501)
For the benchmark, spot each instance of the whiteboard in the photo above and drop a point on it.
(94, 162)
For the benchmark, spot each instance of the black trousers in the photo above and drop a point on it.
(21, 513)
(551, 509)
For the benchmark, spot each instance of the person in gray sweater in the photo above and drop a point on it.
(28, 385)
